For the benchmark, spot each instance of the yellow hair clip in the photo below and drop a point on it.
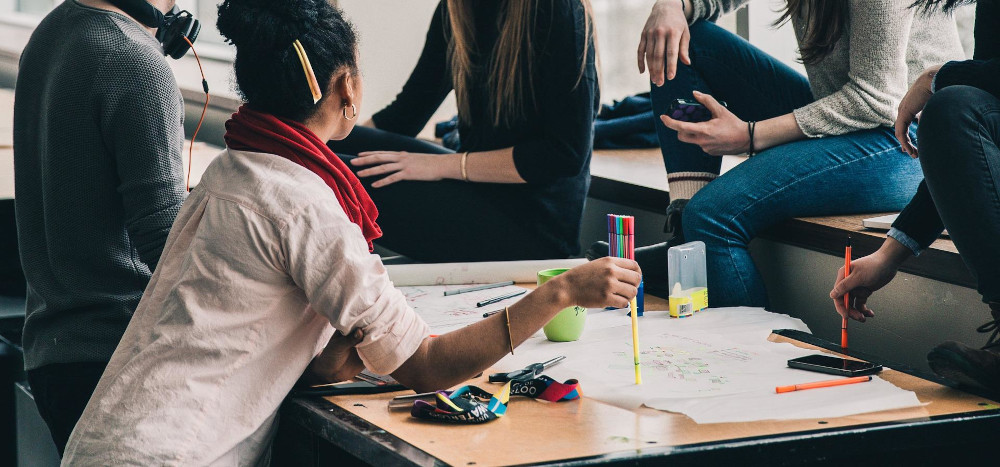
(314, 88)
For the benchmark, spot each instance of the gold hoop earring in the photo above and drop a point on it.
(354, 110)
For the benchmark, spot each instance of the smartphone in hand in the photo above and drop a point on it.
(685, 110)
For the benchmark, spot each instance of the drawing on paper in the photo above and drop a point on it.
(672, 364)
(444, 314)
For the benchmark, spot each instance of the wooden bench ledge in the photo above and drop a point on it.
(940, 262)
(636, 178)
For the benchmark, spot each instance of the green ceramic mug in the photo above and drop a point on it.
(567, 325)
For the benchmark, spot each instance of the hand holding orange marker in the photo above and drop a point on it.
(822, 384)
(847, 296)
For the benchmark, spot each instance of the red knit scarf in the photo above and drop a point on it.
(250, 130)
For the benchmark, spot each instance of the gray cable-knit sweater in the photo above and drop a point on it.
(98, 178)
(859, 85)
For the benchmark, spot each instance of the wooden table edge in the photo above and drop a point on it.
(370, 442)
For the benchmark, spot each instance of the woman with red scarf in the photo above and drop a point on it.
(267, 274)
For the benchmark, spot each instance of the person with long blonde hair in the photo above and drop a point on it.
(525, 80)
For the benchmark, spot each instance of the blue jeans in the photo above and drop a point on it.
(859, 172)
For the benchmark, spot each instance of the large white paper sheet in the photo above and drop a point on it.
(839, 401)
(716, 366)
(403, 275)
(444, 314)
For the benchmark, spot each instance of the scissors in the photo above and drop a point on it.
(527, 372)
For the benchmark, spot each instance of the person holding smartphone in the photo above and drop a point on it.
(957, 147)
(822, 145)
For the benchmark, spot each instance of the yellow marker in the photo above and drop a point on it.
(635, 339)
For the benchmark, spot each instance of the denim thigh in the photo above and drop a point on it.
(859, 172)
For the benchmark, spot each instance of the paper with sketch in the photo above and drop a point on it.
(716, 366)
(444, 314)
(403, 275)
(838, 401)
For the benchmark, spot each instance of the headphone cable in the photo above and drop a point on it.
(204, 109)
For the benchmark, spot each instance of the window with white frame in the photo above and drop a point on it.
(207, 12)
(30, 7)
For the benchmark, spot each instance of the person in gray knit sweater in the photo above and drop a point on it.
(822, 145)
(98, 182)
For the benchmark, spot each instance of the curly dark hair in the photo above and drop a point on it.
(269, 76)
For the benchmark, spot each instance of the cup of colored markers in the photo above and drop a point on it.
(620, 240)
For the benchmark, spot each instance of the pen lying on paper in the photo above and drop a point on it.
(491, 313)
(823, 384)
(477, 288)
(501, 298)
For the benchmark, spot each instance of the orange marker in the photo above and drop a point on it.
(847, 296)
(823, 384)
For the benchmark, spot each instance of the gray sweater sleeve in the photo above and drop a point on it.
(877, 79)
(142, 125)
(711, 10)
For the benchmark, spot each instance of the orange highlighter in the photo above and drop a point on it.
(847, 296)
(822, 384)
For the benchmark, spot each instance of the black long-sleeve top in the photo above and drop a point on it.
(983, 71)
(551, 144)
(920, 220)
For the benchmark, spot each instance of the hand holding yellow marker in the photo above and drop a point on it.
(621, 239)
(635, 340)
(630, 231)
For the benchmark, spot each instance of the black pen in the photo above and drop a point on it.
(501, 298)
(478, 287)
(491, 313)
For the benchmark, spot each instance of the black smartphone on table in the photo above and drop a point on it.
(685, 110)
(834, 366)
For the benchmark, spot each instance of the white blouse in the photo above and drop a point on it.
(259, 263)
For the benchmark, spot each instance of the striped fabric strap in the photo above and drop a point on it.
(473, 405)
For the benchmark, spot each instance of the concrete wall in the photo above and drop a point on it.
(392, 36)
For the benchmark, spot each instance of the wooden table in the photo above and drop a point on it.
(317, 430)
